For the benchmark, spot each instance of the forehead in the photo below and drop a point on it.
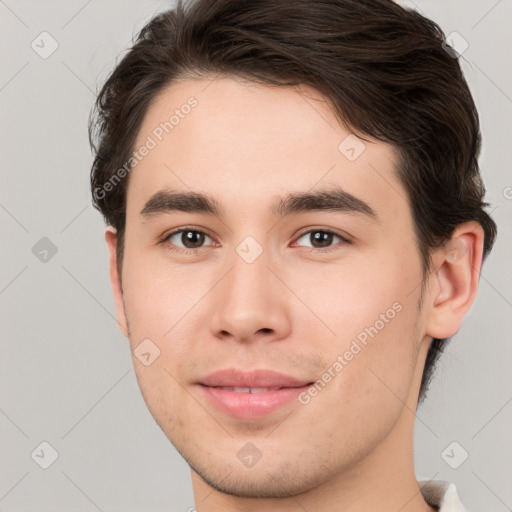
(244, 142)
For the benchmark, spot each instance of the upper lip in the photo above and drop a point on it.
(233, 377)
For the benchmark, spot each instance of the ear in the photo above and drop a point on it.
(454, 282)
(115, 279)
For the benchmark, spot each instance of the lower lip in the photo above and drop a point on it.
(251, 405)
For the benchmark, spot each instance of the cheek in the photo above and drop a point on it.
(167, 306)
(159, 297)
(362, 391)
(348, 298)
(366, 329)
(159, 308)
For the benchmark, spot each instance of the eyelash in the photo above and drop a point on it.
(188, 251)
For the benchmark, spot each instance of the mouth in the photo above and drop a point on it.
(251, 395)
(248, 390)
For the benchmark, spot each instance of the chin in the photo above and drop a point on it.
(270, 479)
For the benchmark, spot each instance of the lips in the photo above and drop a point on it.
(248, 390)
(251, 395)
(234, 378)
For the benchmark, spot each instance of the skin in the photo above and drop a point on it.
(294, 310)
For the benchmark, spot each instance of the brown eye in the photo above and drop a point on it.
(187, 238)
(320, 239)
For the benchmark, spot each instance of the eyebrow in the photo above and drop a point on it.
(333, 199)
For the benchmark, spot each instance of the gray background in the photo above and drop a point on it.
(66, 371)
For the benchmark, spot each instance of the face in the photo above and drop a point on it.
(270, 286)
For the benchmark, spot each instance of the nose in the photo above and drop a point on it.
(250, 304)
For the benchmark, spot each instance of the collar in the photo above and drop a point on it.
(441, 495)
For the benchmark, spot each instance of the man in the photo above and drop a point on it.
(296, 226)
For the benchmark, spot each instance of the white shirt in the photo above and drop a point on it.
(441, 495)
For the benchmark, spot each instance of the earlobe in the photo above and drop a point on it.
(115, 279)
(454, 283)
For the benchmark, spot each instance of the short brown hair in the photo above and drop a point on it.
(385, 69)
